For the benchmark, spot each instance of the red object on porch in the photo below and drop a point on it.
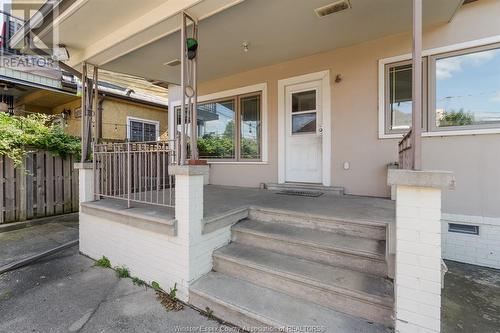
(197, 162)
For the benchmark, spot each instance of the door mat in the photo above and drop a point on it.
(301, 193)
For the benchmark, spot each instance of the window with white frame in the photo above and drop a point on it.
(398, 96)
(142, 130)
(229, 129)
(461, 91)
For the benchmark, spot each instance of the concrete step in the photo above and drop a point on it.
(254, 308)
(362, 295)
(305, 187)
(361, 254)
(358, 228)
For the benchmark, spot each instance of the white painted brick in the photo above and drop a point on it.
(415, 306)
(419, 248)
(418, 320)
(482, 249)
(420, 272)
(411, 328)
(418, 295)
(418, 259)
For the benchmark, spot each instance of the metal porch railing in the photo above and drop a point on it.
(135, 172)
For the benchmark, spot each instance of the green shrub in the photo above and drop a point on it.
(35, 131)
(103, 262)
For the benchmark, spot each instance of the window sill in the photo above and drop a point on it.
(446, 133)
(239, 162)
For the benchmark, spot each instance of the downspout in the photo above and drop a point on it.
(98, 119)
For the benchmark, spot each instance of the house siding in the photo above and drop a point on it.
(114, 117)
(473, 158)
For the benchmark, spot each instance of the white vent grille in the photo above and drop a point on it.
(333, 8)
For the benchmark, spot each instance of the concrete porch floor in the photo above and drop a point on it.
(219, 200)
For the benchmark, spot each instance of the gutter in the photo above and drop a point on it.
(102, 94)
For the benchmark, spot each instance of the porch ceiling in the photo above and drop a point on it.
(276, 31)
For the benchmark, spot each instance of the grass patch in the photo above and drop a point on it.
(103, 262)
(122, 272)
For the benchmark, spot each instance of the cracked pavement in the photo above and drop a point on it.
(67, 293)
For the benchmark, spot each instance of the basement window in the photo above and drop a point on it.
(463, 228)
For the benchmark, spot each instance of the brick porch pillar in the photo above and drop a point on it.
(189, 180)
(418, 248)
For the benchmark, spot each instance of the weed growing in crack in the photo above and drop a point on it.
(156, 286)
(173, 292)
(138, 282)
(103, 262)
(122, 272)
(209, 312)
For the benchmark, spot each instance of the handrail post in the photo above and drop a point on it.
(94, 169)
(129, 178)
(416, 138)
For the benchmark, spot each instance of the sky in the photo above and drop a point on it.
(470, 82)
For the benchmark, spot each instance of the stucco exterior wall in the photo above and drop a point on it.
(474, 159)
(114, 117)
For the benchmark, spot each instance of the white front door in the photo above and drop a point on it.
(303, 132)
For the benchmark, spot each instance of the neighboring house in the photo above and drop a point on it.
(309, 96)
(124, 117)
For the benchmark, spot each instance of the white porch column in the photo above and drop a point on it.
(418, 248)
(85, 181)
(189, 215)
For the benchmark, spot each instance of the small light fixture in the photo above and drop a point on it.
(245, 46)
(60, 53)
(65, 114)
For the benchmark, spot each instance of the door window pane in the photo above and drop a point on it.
(400, 102)
(304, 123)
(468, 89)
(250, 125)
(304, 101)
(216, 129)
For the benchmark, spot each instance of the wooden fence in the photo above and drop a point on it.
(44, 185)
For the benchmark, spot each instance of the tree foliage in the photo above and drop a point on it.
(456, 118)
(36, 131)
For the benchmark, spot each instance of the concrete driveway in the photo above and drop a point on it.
(67, 293)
